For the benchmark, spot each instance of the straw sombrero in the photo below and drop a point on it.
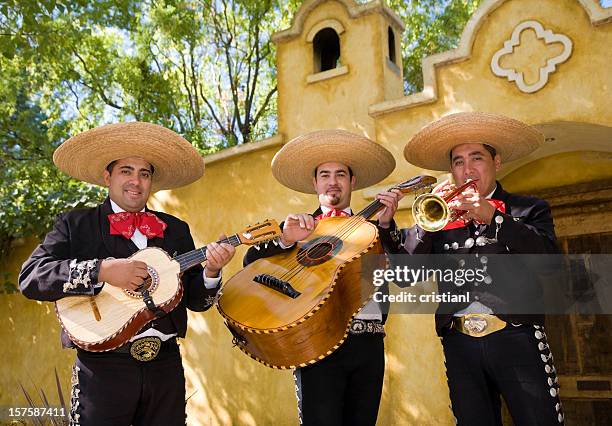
(295, 163)
(86, 155)
(430, 148)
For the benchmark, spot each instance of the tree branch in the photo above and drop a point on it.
(95, 87)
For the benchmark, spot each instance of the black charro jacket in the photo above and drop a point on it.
(66, 263)
(526, 228)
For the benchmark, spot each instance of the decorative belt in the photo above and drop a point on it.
(359, 326)
(146, 348)
(478, 325)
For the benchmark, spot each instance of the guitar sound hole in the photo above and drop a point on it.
(151, 284)
(319, 250)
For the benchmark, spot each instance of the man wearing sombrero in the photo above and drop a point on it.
(87, 249)
(345, 387)
(494, 345)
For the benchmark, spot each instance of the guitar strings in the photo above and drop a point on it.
(346, 229)
(351, 226)
(368, 211)
(294, 266)
(192, 257)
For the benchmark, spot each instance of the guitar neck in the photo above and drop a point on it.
(197, 256)
(415, 184)
(371, 209)
(374, 207)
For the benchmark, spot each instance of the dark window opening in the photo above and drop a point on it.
(326, 45)
(391, 41)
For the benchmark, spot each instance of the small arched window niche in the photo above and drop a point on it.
(391, 50)
(391, 45)
(326, 50)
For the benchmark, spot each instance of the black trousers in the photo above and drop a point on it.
(115, 389)
(345, 387)
(515, 363)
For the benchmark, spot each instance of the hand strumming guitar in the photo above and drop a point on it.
(297, 227)
(123, 273)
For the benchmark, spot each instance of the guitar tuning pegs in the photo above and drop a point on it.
(257, 247)
(275, 242)
(266, 244)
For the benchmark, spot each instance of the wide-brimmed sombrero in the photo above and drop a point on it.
(295, 163)
(86, 155)
(430, 148)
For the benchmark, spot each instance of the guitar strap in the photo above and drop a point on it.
(148, 300)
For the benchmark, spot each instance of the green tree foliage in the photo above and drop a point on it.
(204, 68)
(432, 26)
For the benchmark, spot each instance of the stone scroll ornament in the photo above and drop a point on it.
(551, 64)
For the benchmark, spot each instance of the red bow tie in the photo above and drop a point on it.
(126, 223)
(498, 204)
(332, 213)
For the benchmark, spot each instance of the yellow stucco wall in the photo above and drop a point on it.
(238, 189)
(31, 348)
(344, 98)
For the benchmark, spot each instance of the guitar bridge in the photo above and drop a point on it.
(277, 284)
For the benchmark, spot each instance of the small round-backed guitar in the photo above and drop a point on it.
(109, 319)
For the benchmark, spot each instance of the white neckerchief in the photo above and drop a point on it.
(326, 210)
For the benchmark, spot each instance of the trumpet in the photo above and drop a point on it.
(431, 211)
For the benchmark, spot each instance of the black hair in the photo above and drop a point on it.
(111, 165)
(349, 169)
(489, 148)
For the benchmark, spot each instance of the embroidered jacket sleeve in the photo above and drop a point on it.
(50, 273)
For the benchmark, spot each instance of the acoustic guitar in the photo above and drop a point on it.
(109, 319)
(295, 308)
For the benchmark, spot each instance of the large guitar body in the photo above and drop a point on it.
(295, 308)
(109, 319)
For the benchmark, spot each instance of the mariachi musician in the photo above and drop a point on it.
(345, 387)
(87, 249)
(495, 343)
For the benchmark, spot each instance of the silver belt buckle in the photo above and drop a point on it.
(358, 327)
(475, 324)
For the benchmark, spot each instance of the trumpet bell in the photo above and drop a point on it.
(430, 212)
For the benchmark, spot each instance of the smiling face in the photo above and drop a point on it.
(333, 184)
(473, 161)
(129, 183)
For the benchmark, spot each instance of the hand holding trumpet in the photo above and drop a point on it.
(469, 204)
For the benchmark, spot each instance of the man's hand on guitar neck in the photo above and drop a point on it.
(390, 200)
(297, 227)
(123, 273)
(217, 256)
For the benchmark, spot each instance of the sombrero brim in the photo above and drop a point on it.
(295, 163)
(86, 155)
(430, 148)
